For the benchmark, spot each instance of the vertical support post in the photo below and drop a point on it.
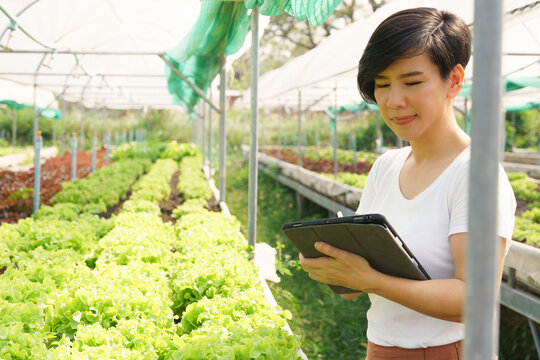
(379, 141)
(538, 153)
(203, 133)
(279, 142)
(534, 333)
(116, 139)
(481, 315)
(222, 130)
(53, 132)
(467, 117)
(299, 197)
(261, 130)
(74, 156)
(317, 139)
(253, 163)
(210, 136)
(124, 136)
(36, 124)
(94, 143)
(81, 133)
(37, 169)
(334, 138)
(514, 131)
(502, 137)
(107, 146)
(62, 129)
(299, 132)
(353, 141)
(14, 129)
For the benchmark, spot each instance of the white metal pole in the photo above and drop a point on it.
(210, 136)
(14, 131)
(481, 315)
(253, 148)
(299, 136)
(222, 130)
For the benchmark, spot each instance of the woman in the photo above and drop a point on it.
(413, 68)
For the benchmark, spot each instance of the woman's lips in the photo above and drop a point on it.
(403, 120)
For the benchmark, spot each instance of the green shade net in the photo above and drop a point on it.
(46, 113)
(528, 106)
(221, 29)
(510, 85)
(354, 108)
(15, 105)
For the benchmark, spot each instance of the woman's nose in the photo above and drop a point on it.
(396, 98)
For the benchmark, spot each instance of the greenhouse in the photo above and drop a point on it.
(151, 152)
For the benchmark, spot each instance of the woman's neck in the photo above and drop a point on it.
(449, 140)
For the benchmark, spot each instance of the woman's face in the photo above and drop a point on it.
(413, 99)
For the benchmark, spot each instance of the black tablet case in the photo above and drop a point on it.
(369, 236)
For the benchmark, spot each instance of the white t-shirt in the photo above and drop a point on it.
(425, 224)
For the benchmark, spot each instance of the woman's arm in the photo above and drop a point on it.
(439, 298)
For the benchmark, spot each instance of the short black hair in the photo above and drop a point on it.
(444, 36)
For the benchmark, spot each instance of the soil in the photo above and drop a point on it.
(321, 165)
(213, 205)
(115, 209)
(17, 187)
(174, 200)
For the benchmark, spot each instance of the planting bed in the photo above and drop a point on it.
(77, 286)
(17, 188)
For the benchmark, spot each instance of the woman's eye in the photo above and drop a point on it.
(380, 86)
(412, 83)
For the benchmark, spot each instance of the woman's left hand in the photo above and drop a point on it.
(341, 268)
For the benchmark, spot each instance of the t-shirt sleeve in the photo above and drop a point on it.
(369, 190)
(459, 202)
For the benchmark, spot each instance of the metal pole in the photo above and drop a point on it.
(14, 131)
(467, 120)
(536, 339)
(94, 143)
(81, 131)
(107, 146)
(203, 134)
(190, 84)
(62, 127)
(481, 315)
(353, 140)
(261, 130)
(334, 138)
(74, 156)
(222, 130)
(37, 169)
(210, 137)
(379, 140)
(253, 166)
(299, 136)
(54, 131)
(279, 138)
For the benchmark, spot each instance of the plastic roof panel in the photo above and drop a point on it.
(334, 62)
(140, 27)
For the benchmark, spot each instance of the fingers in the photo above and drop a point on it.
(331, 251)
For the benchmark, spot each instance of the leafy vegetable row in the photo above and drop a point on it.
(99, 190)
(145, 290)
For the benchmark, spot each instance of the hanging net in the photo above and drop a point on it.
(221, 30)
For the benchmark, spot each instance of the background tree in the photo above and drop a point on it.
(285, 38)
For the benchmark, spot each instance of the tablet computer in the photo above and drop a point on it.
(370, 236)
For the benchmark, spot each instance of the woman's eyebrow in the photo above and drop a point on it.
(412, 73)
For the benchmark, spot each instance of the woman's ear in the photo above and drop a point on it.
(455, 78)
